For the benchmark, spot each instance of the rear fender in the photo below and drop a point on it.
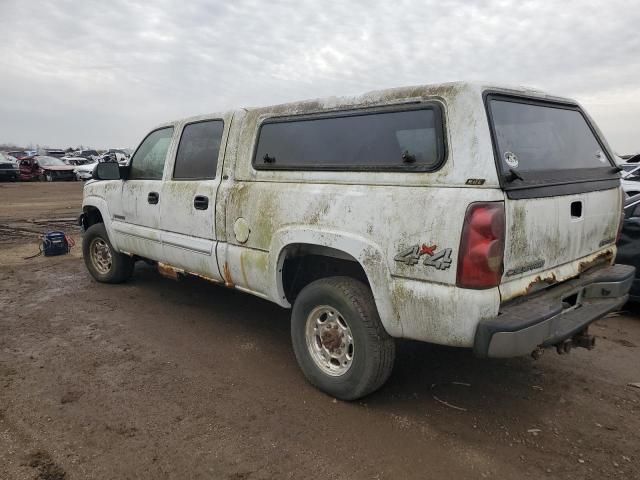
(367, 253)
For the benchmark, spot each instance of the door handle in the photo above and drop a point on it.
(200, 202)
(576, 209)
(153, 198)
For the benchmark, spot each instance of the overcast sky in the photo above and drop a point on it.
(103, 72)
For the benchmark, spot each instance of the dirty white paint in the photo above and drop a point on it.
(255, 216)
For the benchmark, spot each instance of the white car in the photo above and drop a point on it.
(85, 171)
(75, 160)
(630, 178)
(462, 214)
(119, 157)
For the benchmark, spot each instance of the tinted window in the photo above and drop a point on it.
(533, 136)
(148, 161)
(389, 140)
(197, 155)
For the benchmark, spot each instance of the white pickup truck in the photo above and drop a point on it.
(460, 214)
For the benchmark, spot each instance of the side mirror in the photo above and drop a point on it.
(106, 171)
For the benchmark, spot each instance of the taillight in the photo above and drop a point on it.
(480, 258)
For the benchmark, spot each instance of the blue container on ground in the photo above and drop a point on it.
(54, 243)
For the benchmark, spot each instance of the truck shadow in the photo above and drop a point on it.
(426, 377)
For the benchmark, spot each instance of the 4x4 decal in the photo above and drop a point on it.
(411, 256)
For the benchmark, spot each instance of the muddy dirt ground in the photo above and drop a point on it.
(161, 379)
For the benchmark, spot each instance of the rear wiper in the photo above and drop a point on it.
(513, 175)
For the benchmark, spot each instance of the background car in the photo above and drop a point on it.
(85, 171)
(89, 154)
(629, 242)
(75, 160)
(633, 158)
(51, 152)
(40, 167)
(9, 169)
(17, 154)
(630, 178)
(114, 156)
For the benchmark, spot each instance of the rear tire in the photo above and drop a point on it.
(103, 262)
(338, 338)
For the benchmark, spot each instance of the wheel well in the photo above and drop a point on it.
(304, 263)
(91, 216)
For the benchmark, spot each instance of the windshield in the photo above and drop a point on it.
(50, 161)
(532, 136)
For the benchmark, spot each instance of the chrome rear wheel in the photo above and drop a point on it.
(329, 340)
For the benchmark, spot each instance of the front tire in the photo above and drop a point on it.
(103, 262)
(338, 338)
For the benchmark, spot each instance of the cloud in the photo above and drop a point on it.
(102, 73)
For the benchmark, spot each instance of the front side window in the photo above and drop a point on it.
(392, 140)
(148, 161)
(197, 156)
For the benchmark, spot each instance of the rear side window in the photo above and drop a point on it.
(197, 156)
(411, 139)
(148, 161)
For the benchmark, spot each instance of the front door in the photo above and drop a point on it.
(187, 218)
(136, 219)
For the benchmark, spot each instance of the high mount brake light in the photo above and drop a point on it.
(481, 253)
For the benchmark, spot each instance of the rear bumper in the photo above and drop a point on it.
(554, 315)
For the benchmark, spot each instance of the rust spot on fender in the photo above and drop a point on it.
(226, 274)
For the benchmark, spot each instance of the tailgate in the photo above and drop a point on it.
(545, 233)
(562, 190)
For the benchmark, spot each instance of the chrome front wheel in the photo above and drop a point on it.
(101, 256)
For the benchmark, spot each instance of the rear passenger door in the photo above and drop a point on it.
(189, 197)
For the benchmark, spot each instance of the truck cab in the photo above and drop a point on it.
(462, 214)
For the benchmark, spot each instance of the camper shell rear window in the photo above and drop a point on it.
(541, 144)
